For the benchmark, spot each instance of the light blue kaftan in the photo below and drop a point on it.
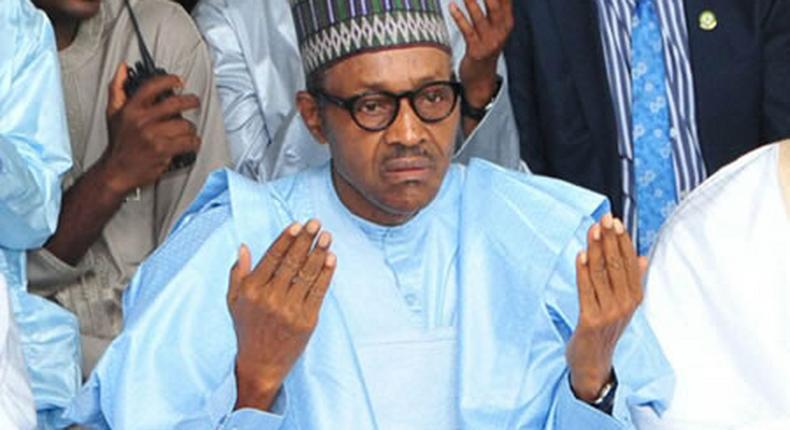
(455, 319)
(34, 154)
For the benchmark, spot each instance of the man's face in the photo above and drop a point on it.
(386, 176)
(69, 9)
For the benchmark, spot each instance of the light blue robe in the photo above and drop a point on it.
(456, 319)
(34, 155)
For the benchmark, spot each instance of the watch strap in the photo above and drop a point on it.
(478, 113)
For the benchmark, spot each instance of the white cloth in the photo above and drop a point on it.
(16, 401)
(718, 295)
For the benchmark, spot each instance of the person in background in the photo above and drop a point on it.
(461, 297)
(34, 156)
(717, 298)
(641, 100)
(259, 70)
(122, 196)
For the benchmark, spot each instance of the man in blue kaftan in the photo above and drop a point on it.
(34, 154)
(391, 289)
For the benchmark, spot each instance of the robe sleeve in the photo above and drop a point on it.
(34, 155)
(495, 138)
(645, 378)
(245, 124)
(173, 365)
(16, 400)
(248, 418)
(34, 145)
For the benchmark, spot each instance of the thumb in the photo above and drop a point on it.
(238, 272)
(117, 97)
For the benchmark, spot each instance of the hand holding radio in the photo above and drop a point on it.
(147, 131)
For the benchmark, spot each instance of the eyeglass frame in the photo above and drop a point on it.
(347, 104)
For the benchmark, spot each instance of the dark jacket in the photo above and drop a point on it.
(562, 101)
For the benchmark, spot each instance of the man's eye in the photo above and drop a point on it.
(372, 106)
(434, 96)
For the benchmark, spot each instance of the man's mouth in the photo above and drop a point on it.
(408, 168)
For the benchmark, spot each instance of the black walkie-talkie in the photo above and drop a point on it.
(142, 72)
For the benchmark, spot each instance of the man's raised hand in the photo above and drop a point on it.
(485, 34)
(275, 308)
(609, 280)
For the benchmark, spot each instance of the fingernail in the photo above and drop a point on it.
(294, 229)
(619, 228)
(583, 258)
(323, 240)
(313, 226)
(596, 233)
(607, 221)
(331, 260)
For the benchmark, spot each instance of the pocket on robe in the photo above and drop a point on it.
(411, 378)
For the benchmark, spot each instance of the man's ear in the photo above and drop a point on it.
(311, 115)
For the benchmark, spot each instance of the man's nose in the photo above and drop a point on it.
(407, 129)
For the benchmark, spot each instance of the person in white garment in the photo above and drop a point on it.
(718, 295)
(16, 400)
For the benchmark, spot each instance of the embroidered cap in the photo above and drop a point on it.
(331, 30)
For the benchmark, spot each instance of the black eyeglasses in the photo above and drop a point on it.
(375, 111)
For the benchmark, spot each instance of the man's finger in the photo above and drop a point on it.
(587, 301)
(264, 271)
(615, 263)
(507, 12)
(238, 272)
(172, 128)
(494, 8)
(294, 259)
(117, 96)
(179, 145)
(318, 291)
(303, 281)
(597, 265)
(478, 17)
(170, 107)
(632, 268)
(148, 93)
(463, 24)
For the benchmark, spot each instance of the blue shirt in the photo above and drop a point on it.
(456, 319)
(34, 155)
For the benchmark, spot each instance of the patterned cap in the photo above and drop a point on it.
(330, 30)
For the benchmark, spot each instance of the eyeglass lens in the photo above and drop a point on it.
(431, 103)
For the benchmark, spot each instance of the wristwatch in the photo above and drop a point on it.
(476, 113)
(605, 400)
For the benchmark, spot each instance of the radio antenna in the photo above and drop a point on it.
(148, 60)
